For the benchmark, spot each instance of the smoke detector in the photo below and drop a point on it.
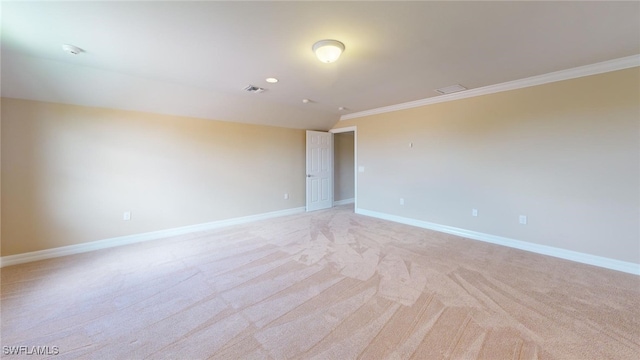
(73, 50)
(253, 89)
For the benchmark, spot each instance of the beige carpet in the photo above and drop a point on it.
(325, 285)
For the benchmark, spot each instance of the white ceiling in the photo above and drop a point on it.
(195, 58)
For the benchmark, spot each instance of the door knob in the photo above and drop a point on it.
(308, 175)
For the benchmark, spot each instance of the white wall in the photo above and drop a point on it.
(566, 154)
(343, 145)
(69, 172)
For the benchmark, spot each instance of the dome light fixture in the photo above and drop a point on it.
(328, 51)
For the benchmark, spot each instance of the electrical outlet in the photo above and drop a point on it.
(523, 219)
(126, 216)
(401, 201)
(286, 196)
(474, 212)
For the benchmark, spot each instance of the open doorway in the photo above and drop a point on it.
(344, 166)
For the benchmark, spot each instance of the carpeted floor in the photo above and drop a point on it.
(324, 285)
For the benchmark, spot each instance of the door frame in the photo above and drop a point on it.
(353, 129)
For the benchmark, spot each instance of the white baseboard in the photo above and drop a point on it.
(131, 239)
(628, 267)
(343, 202)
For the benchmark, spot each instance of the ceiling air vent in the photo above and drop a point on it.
(450, 89)
(253, 89)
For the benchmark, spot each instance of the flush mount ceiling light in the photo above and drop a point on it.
(74, 50)
(328, 51)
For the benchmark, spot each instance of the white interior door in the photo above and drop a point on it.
(319, 170)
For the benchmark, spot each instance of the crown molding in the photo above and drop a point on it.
(587, 70)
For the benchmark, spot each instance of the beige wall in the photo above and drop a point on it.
(69, 173)
(344, 171)
(566, 154)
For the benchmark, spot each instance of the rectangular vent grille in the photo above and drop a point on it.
(450, 89)
(253, 89)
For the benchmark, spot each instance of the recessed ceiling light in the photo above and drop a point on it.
(74, 50)
(271, 80)
(342, 108)
(306, 101)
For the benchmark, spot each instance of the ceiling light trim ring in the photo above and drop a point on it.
(72, 49)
